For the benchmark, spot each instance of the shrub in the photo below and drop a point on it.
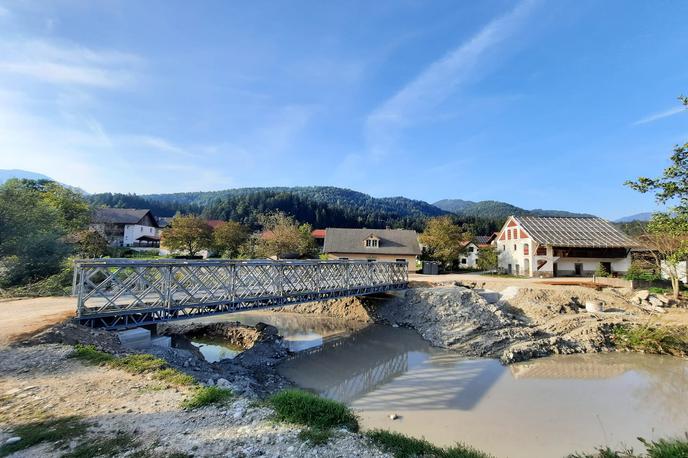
(601, 271)
(300, 407)
(207, 395)
(638, 271)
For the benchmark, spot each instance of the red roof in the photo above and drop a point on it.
(318, 233)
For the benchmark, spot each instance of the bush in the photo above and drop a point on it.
(638, 272)
(207, 395)
(601, 271)
(300, 407)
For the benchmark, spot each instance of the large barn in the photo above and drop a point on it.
(535, 246)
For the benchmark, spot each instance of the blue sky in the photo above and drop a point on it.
(543, 104)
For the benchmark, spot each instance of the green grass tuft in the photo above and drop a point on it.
(665, 341)
(104, 447)
(174, 377)
(296, 406)
(51, 430)
(134, 364)
(90, 354)
(139, 363)
(315, 436)
(207, 395)
(667, 448)
(402, 446)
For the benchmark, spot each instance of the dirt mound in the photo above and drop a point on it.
(348, 308)
(71, 333)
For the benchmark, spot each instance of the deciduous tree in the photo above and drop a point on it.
(283, 237)
(188, 234)
(444, 239)
(488, 258)
(229, 237)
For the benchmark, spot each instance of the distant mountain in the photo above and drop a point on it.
(7, 174)
(645, 216)
(493, 209)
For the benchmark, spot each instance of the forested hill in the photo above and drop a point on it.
(321, 206)
(493, 209)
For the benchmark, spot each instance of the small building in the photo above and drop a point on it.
(535, 246)
(469, 258)
(127, 227)
(373, 245)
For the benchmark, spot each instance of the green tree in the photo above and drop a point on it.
(283, 236)
(188, 234)
(667, 233)
(229, 237)
(488, 258)
(444, 239)
(90, 244)
(36, 216)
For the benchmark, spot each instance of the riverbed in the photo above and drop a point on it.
(546, 407)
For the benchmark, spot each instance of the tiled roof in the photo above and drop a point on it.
(120, 215)
(574, 232)
(483, 239)
(392, 241)
(318, 233)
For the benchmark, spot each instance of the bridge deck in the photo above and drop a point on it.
(121, 293)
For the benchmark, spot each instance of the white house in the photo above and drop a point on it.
(535, 246)
(469, 258)
(127, 227)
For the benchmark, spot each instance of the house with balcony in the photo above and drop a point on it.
(535, 246)
(127, 227)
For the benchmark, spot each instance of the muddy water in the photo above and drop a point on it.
(544, 408)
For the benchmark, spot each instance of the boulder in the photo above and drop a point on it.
(655, 301)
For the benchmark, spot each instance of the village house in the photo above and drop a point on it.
(127, 227)
(373, 245)
(535, 246)
(469, 258)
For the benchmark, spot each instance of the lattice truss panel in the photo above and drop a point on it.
(151, 291)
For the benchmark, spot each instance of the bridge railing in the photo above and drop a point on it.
(156, 290)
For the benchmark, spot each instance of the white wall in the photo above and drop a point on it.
(471, 258)
(134, 231)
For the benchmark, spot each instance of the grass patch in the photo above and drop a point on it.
(207, 395)
(662, 448)
(109, 446)
(90, 354)
(402, 446)
(134, 364)
(50, 430)
(300, 407)
(315, 436)
(648, 339)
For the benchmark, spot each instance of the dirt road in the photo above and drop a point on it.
(19, 317)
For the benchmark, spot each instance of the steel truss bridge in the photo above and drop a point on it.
(124, 293)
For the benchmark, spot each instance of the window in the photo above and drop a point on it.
(541, 250)
(526, 249)
(463, 261)
(470, 249)
(515, 247)
(372, 243)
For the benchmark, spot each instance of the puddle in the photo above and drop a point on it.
(548, 407)
(214, 350)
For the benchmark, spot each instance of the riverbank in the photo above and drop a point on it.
(519, 323)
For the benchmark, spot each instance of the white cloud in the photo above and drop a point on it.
(68, 64)
(658, 116)
(440, 79)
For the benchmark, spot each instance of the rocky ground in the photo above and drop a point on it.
(42, 380)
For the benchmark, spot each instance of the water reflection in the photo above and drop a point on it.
(214, 350)
(541, 408)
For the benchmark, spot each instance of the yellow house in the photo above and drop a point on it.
(373, 245)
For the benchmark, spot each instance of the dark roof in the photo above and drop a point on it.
(483, 239)
(121, 215)
(392, 241)
(574, 232)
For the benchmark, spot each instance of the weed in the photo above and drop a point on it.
(139, 363)
(667, 448)
(307, 409)
(315, 436)
(651, 340)
(50, 430)
(402, 446)
(207, 395)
